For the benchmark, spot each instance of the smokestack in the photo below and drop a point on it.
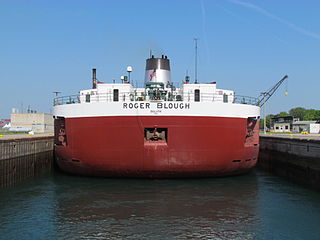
(158, 70)
(94, 78)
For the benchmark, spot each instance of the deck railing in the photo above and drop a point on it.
(66, 100)
(245, 100)
(133, 96)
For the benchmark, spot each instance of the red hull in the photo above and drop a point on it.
(195, 147)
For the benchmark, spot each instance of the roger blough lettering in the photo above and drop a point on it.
(144, 105)
(136, 105)
(173, 105)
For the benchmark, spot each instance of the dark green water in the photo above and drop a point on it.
(252, 206)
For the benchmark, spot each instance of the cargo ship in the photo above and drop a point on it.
(156, 131)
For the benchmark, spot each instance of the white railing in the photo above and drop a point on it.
(134, 96)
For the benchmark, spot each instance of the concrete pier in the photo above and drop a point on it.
(21, 158)
(294, 157)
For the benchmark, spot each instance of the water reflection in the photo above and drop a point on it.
(252, 206)
(143, 209)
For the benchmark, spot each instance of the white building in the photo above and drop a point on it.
(306, 126)
(37, 122)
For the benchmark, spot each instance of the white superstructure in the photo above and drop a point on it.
(158, 97)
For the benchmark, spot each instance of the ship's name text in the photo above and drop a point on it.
(145, 105)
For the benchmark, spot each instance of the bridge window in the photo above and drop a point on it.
(197, 95)
(225, 98)
(115, 95)
(87, 97)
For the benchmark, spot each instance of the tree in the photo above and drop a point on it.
(268, 122)
(298, 112)
(283, 114)
(312, 114)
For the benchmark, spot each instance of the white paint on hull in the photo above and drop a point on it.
(160, 108)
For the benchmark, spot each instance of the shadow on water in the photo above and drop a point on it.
(251, 206)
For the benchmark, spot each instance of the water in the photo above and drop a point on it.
(252, 206)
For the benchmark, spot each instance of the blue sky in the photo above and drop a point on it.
(246, 46)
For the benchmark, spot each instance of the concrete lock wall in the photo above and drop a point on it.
(24, 158)
(295, 159)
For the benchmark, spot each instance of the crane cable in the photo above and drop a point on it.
(286, 90)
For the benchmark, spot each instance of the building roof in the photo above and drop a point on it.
(283, 117)
(303, 122)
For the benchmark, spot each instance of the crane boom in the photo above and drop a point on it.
(264, 97)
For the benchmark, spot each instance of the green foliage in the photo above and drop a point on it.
(261, 123)
(312, 114)
(269, 121)
(283, 114)
(298, 112)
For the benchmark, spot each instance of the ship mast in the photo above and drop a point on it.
(196, 61)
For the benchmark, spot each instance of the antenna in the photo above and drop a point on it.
(94, 78)
(150, 53)
(129, 70)
(56, 93)
(196, 61)
(187, 78)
